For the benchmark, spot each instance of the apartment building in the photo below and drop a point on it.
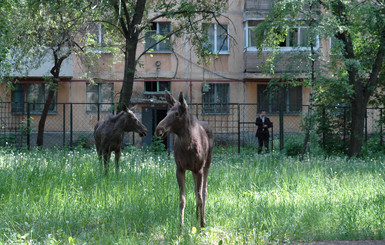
(233, 75)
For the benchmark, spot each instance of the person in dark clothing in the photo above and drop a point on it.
(263, 123)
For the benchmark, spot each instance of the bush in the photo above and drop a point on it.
(157, 145)
(293, 148)
(83, 141)
(373, 146)
(7, 139)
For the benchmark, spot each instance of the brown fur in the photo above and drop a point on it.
(194, 143)
(109, 133)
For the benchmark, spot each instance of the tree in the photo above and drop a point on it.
(130, 20)
(358, 32)
(51, 28)
(362, 35)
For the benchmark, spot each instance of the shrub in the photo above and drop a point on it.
(293, 148)
(157, 145)
(83, 141)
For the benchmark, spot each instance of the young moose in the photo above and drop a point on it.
(108, 135)
(194, 144)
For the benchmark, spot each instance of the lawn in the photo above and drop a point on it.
(58, 196)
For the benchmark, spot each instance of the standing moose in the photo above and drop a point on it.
(109, 133)
(194, 143)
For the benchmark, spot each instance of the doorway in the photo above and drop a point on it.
(151, 116)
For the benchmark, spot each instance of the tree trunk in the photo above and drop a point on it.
(129, 72)
(40, 132)
(358, 107)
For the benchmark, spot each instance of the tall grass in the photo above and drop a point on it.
(59, 196)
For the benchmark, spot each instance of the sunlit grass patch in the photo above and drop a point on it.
(59, 195)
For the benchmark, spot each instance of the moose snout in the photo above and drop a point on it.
(143, 133)
(160, 132)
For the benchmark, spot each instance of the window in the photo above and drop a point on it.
(250, 33)
(151, 87)
(297, 37)
(97, 36)
(336, 46)
(102, 94)
(158, 31)
(218, 40)
(216, 98)
(290, 98)
(35, 94)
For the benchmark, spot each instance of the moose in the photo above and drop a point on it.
(194, 143)
(109, 133)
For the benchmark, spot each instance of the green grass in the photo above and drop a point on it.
(58, 196)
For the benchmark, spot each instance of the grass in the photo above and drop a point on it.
(58, 196)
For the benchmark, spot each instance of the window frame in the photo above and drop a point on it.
(269, 107)
(102, 105)
(158, 91)
(215, 34)
(25, 90)
(156, 48)
(212, 107)
(102, 45)
(247, 46)
(246, 33)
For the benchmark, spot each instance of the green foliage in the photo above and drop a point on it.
(293, 148)
(8, 139)
(333, 128)
(157, 145)
(372, 147)
(83, 141)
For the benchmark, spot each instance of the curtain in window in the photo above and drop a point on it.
(18, 98)
(164, 30)
(289, 98)
(222, 40)
(216, 99)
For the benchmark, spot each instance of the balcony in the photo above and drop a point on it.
(285, 62)
(45, 65)
(258, 4)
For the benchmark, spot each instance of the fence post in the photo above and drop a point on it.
(98, 104)
(281, 139)
(71, 125)
(272, 137)
(381, 123)
(323, 126)
(344, 126)
(28, 127)
(64, 124)
(239, 128)
(366, 124)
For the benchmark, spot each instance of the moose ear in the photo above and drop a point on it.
(133, 108)
(182, 101)
(170, 100)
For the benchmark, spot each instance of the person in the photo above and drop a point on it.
(263, 123)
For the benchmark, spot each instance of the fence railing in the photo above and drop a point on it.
(70, 124)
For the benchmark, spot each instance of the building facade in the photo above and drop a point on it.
(232, 75)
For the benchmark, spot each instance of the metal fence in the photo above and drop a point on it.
(71, 124)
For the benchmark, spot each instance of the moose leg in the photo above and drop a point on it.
(100, 156)
(205, 177)
(199, 196)
(106, 157)
(196, 193)
(117, 156)
(181, 178)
